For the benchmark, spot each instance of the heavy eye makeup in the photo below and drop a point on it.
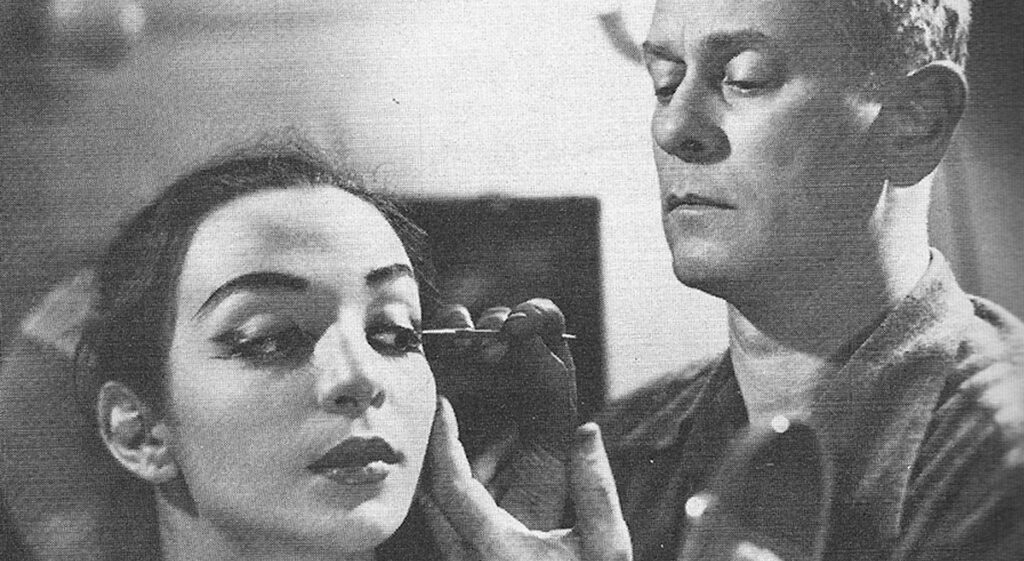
(393, 339)
(266, 340)
(394, 330)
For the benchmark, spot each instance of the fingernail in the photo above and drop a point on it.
(586, 433)
(515, 316)
(455, 316)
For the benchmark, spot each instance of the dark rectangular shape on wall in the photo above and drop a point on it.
(502, 251)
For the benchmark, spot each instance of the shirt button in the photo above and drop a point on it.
(697, 505)
(780, 424)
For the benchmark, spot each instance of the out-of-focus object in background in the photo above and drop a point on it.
(769, 500)
(95, 33)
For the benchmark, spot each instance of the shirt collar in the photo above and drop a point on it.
(872, 414)
(888, 386)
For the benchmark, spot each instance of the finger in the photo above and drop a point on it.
(548, 394)
(492, 349)
(455, 316)
(493, 318)
(536, 316)
(465, 503)
(599, 522)
(451, 316)
(447, 540)
(485, 465)
(539, 316)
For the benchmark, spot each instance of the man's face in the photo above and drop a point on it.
(758, 140)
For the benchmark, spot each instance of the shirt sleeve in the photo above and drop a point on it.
(966, 500)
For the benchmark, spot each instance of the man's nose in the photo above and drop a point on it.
(349, 379)
(687, 127)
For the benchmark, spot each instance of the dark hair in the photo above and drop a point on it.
(129, 338)
(898, 36)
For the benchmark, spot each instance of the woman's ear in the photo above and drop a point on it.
(917, 120)
(138, 441)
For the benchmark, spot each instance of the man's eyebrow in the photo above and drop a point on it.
(733, 40)
(261, 280)
(382, 275)
(715, 42)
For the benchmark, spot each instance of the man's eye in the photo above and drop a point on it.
(745, 86)
(394, 340)
(752, 72)
(289, 345)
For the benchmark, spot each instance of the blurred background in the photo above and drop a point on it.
(104, 101)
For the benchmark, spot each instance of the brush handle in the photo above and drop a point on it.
(473, 332)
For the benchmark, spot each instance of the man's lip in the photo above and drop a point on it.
(357, 453)
(693, 200)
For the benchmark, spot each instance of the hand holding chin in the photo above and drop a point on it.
(469, 525)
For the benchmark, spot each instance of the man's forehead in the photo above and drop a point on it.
(676, 21)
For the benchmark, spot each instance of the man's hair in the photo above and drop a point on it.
(899, 36)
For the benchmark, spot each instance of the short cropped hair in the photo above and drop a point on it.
(895, 37)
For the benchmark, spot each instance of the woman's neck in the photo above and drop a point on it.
(186, 537)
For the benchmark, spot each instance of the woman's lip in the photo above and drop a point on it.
(355, 453)
(369, 474)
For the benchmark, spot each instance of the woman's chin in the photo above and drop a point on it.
(366, 524)
(331, 533)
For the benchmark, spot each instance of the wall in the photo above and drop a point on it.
(435, 98)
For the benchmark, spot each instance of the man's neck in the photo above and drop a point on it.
(782, 350)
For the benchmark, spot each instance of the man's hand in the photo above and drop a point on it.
(469, 526)
(516, 396)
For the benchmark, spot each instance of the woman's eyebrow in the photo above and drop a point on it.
(383, 275)
(261, 280)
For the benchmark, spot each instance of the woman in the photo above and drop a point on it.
(258, 361)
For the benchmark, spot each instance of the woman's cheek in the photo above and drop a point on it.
(419, 394)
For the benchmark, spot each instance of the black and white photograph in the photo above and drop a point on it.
(453, 280)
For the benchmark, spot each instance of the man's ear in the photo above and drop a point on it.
(917, 120)
(138, 441)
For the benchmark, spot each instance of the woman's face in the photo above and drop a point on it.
(299, 395)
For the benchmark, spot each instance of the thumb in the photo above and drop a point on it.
(600, 526)
(460, 499)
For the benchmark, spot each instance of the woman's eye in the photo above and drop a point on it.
(284, 346)
(395, 340)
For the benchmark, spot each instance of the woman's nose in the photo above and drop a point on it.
(687, 127)
(349, 380)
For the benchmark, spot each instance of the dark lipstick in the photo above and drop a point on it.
(358, 461)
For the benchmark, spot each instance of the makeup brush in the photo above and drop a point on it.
(473, 332)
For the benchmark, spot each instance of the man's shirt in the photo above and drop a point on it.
(924, 426)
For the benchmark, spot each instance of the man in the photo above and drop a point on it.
(795, 142)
